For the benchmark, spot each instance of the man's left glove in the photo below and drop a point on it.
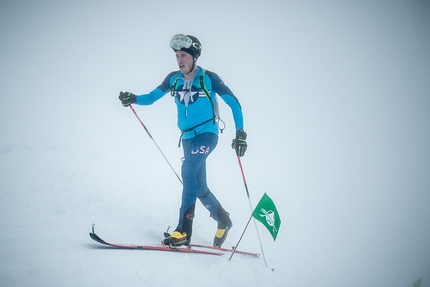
(239, 143)
(127, 98)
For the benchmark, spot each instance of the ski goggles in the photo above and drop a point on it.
(180, 41)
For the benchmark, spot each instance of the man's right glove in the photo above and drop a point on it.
(127, 98)
(239, 143)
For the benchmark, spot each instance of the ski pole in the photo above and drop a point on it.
(252, 210)
(159, 149)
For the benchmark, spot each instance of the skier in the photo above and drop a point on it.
(195, 90)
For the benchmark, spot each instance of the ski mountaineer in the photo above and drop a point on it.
(195, 90)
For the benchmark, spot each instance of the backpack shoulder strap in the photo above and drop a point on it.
(203, 85)
(215, 108)
(173, 87)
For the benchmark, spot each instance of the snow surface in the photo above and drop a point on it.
(336, 103)
(51, 194)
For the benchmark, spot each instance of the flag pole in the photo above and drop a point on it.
(240, 239)
(252, 209)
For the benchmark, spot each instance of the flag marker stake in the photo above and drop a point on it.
(240, 239)
(255, 222)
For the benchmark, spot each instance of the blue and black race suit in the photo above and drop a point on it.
(193, 105)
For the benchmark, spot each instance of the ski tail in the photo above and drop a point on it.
(225, 249)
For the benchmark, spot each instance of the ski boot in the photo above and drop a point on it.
(222, 230)
(177, 238)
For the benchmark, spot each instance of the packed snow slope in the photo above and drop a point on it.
(336, 103)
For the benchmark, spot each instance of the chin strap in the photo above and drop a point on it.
(192, 67)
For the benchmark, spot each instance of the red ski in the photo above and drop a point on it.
(97, 238)
(223, 249)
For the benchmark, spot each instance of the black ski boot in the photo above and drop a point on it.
(223, 227)
(182, 235)
(177, 238)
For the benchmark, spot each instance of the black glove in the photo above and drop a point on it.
(239, 143)
(127, 98)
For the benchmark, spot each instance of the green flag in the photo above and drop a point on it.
(418, 283)
(266, 213)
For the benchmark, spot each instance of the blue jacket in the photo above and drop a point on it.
(196, 110)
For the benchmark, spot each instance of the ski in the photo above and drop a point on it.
(97, 238)
(223, 249)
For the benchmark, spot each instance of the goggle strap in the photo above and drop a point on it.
(180, 41)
